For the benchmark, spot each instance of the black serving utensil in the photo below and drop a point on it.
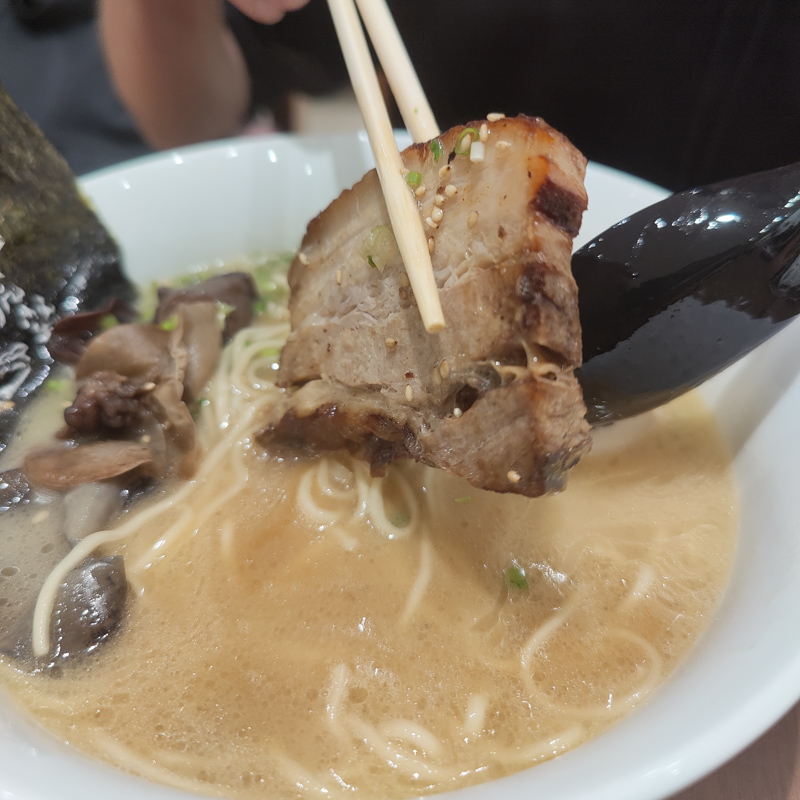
(680, 290)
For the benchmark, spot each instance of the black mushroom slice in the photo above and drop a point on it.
(89, 607)
(235, 290)
(141, 353)
(201, 344)
(14, 489)
(72, 333)
(66, 466)
(89, 508)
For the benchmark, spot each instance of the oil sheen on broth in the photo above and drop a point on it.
(311, 630)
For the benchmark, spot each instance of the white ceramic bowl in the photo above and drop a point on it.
(226, 199)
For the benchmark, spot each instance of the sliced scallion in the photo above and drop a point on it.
(472, 132)
(169, 324)
(515, 577)
(380, 247)
(56, 385)
(108, 321)
(224, 310)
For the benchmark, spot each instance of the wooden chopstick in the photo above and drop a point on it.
(406, 88)
(400, 202)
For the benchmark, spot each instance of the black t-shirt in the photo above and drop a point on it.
(682, 93)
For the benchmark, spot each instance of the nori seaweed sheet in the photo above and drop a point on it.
(56, 257)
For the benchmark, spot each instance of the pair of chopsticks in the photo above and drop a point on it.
(419, 120)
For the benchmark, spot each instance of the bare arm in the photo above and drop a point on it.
(178, 68)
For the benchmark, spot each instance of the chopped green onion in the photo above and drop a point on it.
(380, 247)
(264, 275)
(108, 321)
(474, 132)
(224, 310)
(260, 306)
(466, 499)
(413, 179)
(56, 385)
(169, 324)
(436, 149)
(515, 577)
(148, 301)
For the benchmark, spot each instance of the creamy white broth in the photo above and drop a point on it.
(278, 647)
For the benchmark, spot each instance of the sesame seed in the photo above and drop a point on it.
(437, 377)
(409, 392)
(420, 190)
(494, 116)
(450, 190)
(390, 343)
(457, 412)
(484, 134)
(149, 386)
(431, 223)
(472, 219)
(431, 244)
(41, 516)
(437, 214)
(145, 438)
(303, 258)
(444, 368)
(502, 144)
(466, 142)
(444, 170)
(439, 200)
(338, 277)
(514, 476)
(402, 279)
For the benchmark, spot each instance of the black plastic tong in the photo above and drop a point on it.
(680, 290)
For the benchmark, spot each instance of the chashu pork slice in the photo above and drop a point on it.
(493, 397)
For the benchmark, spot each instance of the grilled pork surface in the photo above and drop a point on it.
(493, 397)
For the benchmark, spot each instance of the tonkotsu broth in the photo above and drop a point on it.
(276, 652)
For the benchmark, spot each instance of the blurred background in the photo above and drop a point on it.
(680, 93)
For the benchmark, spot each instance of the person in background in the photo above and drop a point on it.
(52, 65)
(179, 67)
(679, 93)
(53, 68)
